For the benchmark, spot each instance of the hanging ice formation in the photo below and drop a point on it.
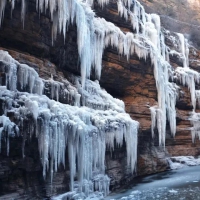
(189, 77)
(94, 34)
(150, 36)
(148, 27)
(184, 74)
(84, 131)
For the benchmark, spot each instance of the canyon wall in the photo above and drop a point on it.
(131, 81)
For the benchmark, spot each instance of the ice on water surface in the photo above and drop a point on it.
(169, 185)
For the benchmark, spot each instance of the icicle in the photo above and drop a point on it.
(2, 8)
(197, 95)
(23, 11)
(122, 10)
(12, 6)
(84, 131)
(188, 77)
(8, 128)
(153, 119)
(184, 50)
(54, 27)
(195, 121)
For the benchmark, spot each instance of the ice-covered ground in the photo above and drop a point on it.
(181, 184)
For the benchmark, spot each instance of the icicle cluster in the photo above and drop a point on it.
(189, 77)
(92, 96)
(84, 132)
(195, 122)
(62, 91)
(151, 42)
(19, 76)
(185, 75)
(8, 129)
(94, 34)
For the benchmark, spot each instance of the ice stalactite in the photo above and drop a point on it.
(23, 11)
(184, 50)
(157, 114)
(123, 12)
(12, 4)
(153, 119)
(83, 132)
(2, 8)
(171, 98)
(197, 94)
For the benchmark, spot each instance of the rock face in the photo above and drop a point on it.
(178, 16)
(131, 81)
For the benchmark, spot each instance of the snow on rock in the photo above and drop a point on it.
(85, 130)
(182, 161)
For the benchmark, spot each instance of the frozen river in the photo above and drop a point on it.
(181, 184)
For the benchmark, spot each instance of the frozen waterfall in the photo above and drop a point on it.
(148, 40)
(83, 132)
(92, 120)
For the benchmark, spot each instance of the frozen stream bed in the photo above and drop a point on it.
(182, 184)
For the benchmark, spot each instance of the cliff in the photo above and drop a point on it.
(178, 16)
(131, 80)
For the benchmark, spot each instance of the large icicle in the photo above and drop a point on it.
(195, 122)
(2, 8)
